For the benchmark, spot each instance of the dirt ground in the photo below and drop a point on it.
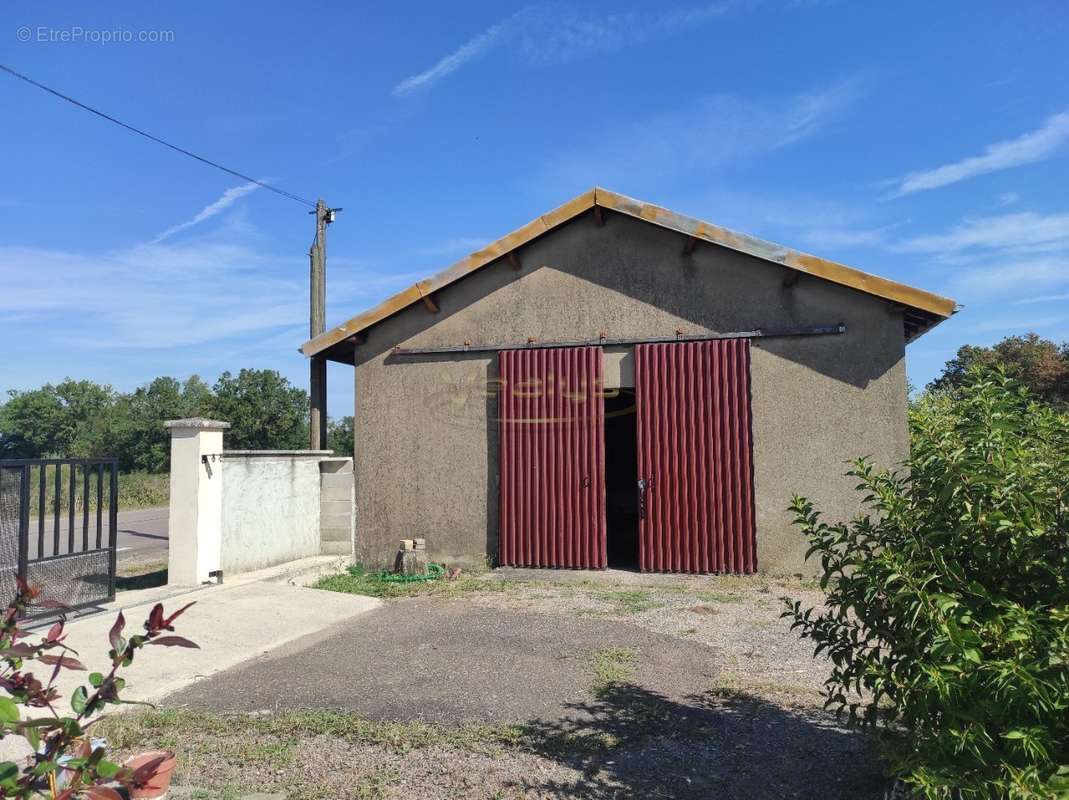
(528, 685)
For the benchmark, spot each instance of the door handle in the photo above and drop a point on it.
(642, 486)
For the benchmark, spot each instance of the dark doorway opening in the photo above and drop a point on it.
(621, 479)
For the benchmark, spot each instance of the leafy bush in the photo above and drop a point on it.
(947, 610)
(61, 744)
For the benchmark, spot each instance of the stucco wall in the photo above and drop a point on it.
(271, 509)
(426, 435)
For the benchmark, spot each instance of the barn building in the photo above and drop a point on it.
(618, 385)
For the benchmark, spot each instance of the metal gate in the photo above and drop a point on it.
(695, 457)
(58, 520)
(552, 424)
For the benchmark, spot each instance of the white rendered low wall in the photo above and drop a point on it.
(270, 508)
(236, 511)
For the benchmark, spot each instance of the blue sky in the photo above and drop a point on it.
(927, 142)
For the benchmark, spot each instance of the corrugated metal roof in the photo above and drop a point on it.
(922, 310)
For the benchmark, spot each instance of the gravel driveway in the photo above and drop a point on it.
(611, 686)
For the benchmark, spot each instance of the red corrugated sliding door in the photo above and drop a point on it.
(695, 457)
(552, 470)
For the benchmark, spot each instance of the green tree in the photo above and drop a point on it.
(340, 436)
(264, 410)
(947, 608)
(1040, 364)
(66, 420)
(196, 395)
(136, 432)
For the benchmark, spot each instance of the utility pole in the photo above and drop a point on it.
(317, 384)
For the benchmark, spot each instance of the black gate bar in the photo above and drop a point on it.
(84, 575)
(759, 333)
(24, 521)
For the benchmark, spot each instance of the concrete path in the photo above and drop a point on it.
(233, 624)
(450, 661)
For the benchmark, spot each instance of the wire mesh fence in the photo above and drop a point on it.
(58, 520)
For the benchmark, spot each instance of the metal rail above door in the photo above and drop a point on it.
(604, 341)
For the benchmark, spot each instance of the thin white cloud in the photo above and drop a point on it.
(845, 237)
(1025, 232)
(552, 34)
(160, 296)
(706, 134)
(772, 214)
(1019, 323)
(1046, 298)
(225, 201)
(150, 296)
(450, 247)
(468, 51)
(1006, 277)
(1005, 255)
(1026, 149)
(559, 34)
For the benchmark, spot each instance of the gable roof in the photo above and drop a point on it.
(921, 310)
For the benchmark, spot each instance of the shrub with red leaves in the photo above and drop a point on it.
(61, 741)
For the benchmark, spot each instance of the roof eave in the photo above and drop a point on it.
(909, 296)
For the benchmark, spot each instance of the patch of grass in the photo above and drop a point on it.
(270, 753)
(278, 733)
(140, 576)
(589, 612)
(733, 686)
(611, 666)
(629, 601)
(718, 597)
(358, 580)
(226, 793)
(134, 569)
(375, 786)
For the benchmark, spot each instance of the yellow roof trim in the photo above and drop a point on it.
(803, 262)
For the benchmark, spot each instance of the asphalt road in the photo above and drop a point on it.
(142, 534)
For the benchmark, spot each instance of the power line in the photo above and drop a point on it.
(156, 139)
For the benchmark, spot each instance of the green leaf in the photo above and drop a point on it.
(44, 767)
(33, 736)
(107, 769)
(79, 699)
(95, 679)
(9, 711)
(9, 774)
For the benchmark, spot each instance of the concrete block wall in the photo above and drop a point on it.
(336, 498)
